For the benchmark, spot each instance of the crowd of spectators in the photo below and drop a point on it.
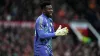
(66, 47)
(18, 41)
(24, 10)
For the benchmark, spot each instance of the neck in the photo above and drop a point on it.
(46, 15)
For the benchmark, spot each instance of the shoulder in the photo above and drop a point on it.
(41, 19)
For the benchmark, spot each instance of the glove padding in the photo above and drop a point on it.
(61, 32)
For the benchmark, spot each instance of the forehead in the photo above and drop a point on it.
(48, 6)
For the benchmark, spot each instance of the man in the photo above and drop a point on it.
(44, 31)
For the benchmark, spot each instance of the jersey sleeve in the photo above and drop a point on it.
(40, 26)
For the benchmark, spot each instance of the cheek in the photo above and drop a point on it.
(50, 11)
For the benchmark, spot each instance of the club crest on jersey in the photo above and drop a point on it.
(51, 24)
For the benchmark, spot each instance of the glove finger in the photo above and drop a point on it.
(65, 28)
(59, 27)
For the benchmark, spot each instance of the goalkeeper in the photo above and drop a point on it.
(44, 31)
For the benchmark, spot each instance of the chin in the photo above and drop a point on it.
(50, 15)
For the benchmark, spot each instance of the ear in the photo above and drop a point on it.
(44, 10)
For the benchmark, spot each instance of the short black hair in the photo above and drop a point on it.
(43, 4)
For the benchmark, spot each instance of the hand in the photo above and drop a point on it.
(61, 32)
(65, 30)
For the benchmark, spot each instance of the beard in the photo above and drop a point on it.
(49, 15)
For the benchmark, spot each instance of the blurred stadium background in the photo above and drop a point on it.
(82, 17)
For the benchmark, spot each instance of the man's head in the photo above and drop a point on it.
(47, 8)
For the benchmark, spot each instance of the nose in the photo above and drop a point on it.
(51, 10)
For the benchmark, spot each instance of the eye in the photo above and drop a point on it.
(49, 8)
